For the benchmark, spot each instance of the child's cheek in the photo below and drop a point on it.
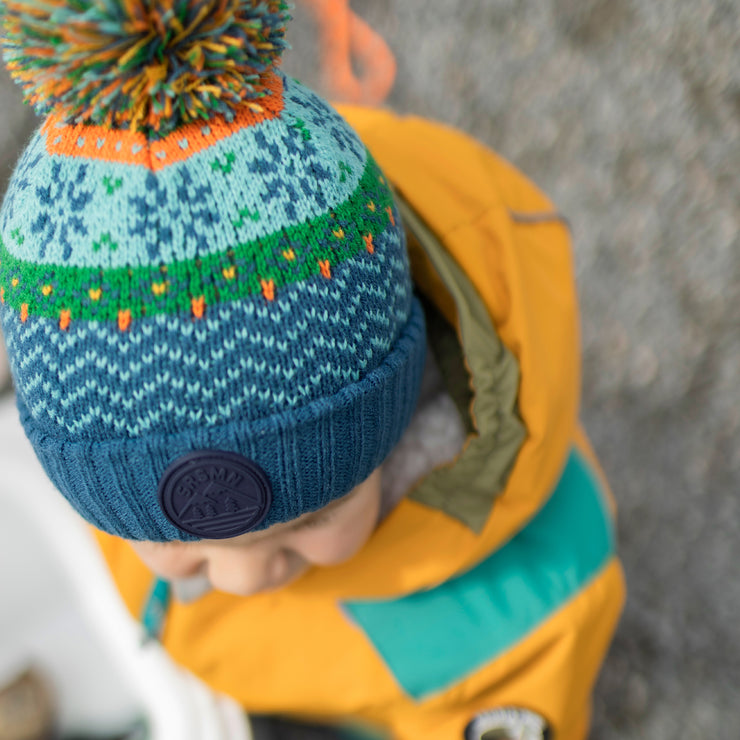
(170, 560)
(336, 542)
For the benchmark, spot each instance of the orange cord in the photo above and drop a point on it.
(344, 38)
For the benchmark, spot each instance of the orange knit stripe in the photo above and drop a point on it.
(129, 147)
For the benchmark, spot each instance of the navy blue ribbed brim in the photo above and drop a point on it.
(311, 455)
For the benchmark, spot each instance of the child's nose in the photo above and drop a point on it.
(248, 571)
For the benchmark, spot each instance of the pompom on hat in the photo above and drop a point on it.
(204, 285)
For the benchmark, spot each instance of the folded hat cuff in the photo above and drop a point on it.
(311, 455)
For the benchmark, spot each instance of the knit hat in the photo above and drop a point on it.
(204, 285)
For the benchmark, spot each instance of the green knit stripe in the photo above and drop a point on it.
(261, 266)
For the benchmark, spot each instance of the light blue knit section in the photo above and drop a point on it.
(264, 178)
(246, 359)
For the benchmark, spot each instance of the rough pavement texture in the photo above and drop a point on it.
(627, 114)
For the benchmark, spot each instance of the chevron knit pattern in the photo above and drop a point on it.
(228, 273)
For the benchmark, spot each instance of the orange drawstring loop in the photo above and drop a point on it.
(344, 38)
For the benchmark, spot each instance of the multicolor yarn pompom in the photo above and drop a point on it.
(147, 65)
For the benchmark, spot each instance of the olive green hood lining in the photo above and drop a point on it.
(467, 488)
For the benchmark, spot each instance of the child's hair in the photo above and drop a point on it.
(204, 286)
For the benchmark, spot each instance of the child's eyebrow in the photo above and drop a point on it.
(317, 517)
(319, 514)
(297, 526)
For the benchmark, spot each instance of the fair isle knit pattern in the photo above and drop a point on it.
(132, 269)
(96, 214)
(227, 287)
(243, 359)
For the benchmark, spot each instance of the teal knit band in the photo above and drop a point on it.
(311, 456)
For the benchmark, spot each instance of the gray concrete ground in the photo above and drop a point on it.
(628, 114)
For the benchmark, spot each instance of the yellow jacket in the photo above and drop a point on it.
(494, 582)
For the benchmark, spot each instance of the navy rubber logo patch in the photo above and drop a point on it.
(507, 723)
(214, 494)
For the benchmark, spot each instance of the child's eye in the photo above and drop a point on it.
(315, 522)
